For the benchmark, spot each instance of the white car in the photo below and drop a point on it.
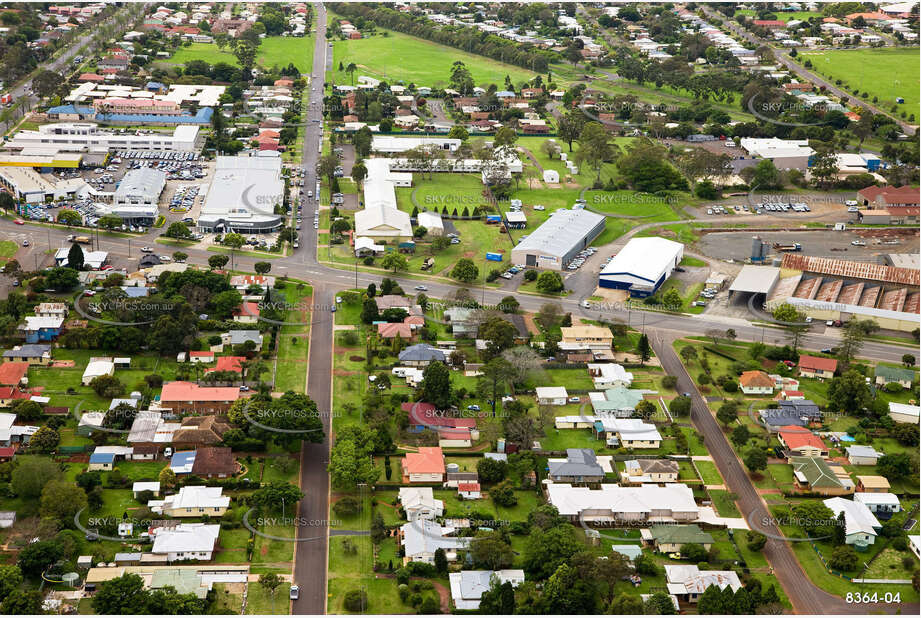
(858, 243)
(585, 304)
(539, 207)
(165, 258)
(146, 250)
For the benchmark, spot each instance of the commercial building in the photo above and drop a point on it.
(42, 158)
(244, 194)
(137, 197)
(789, 154)
(556, 242)
(642, 266)
(28, 185)
(88, 137)
(381, 220)
(391, 144)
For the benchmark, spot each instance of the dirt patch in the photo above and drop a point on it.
(469, 254)
(356, 359)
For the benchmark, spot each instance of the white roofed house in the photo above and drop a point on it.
(467, 587)
(97, 368)
(904, 413)
(627, 432)
(882, 505)
(607, 375)
(432, 222)
(192, 501)
(551, 395)
(687, 582)
(420, 539)
(185, 541)
(613, 504)
(861, 525)
(420, 503)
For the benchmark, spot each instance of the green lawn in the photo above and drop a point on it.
(399, 57)
(273, 51)
(8, 249)
(723, 504)
(885, 73)
(709, 473)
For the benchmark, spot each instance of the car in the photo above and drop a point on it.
(585, 304)
(830, 323)
(165, 258)
(244, 388)
(19, 222)
(826, 350)
(333, 309)
(852, 209)
(25, 243)
(146, 250)
(109, 267)
(474, 407)
(808, 320)
(293, 592)
(574, 399)
(455, 241)
(15, 283)
(89, 293)
(686, 394)
(421, 288)
(858, 243)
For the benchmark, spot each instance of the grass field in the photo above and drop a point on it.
(8, 249)
(885, 73)
(274, 50)
(400, 57)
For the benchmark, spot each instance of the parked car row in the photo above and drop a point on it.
(580, 258)
(153, 154)
(514, 270)
(184, 197)
(782, 207)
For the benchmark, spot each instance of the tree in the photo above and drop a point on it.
(687, 353)
(848, 393)
(75, 257)
(496, 376)
(395, 262)
(441, 561)
(896, 466)
(436, 385)
(167, 478)
(755, 541)
(500, 335)
(643, 349)
(728, 412)
(216, 262)
(740, 436)
(844, 558)
(680, 406)
(755, 459)
(852, 339)
(356, 600)
(274, 495)
(908, 360)
(23, 603)
(31, 474)
(46, 82)
(660, 603)
(62, 279)
(595, 148)
(107, 386)
(178, 230)
(549, 282)
(262, 268)
(369, 311)
(549, 316)
(627, 604)
(465, 270)
(45, 440)
(270, 583)
(123, 595)
(61, 501)
(693, 552)
(566, 593)
(491, 470)
(10, 579)
(546, 550)
(499, 599)
(359, 173)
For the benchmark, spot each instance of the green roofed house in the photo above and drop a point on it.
(885, 375)
(618, 402)
(815, 475)
(668, 539)
(183, 580)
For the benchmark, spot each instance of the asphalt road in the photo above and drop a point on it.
(804, 595)
(310, 558)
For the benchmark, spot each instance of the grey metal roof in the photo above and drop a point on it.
(422, 352)
(579, 462)
(242, 336)
(29, 349)
(560, 232)
(146, 183)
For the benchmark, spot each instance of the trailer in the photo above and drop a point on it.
(493, 257)
(493, 219)
(787, 247)
(84, 240)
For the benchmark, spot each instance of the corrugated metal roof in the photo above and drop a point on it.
(857, 270)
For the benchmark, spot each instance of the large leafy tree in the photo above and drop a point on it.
(546, 550)
(436, 385)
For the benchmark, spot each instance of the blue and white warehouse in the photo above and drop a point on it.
(642, 266)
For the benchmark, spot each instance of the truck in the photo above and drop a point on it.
(787, 247)
(84, 240)
(428, 263)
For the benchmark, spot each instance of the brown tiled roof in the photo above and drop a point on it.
(201, 430)
(213, 461)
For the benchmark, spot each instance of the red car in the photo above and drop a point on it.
(19, 222)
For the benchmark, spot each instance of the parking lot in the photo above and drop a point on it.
(832, 244)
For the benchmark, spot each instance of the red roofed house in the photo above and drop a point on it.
(815, 367)
(886, 197)
(196, 356)
(7, 453)
(246, 313)
(12, 373)
(190, 398)
(756, 383)
(791, 395)
(799, 441)
(9, 394)
(228, 363)
(469, 491)
(392, 330)
(91, 77)
(770, 24)
(424, 415)
(426, 466)
(284, 82)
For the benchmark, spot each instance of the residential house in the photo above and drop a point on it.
(197, 431)
(627, 432)
(469, 491)
(214, 462)
(454, 476)
(185, 541)
(247, 313)
(192, 501)
(190, 398)
(420, 503)
(420, 355)
(904, 413)
(141, 486)
(426, 466)
(859, 455)
(7, 519)
(609, 375)
(586, 337)
(816, 367)
(639, 471)
(242, 283)
(420, 539)
(801, 441)
(860, 525)
(687, 582)
(468, 587)
(393, 301)
(900, 375)
(756, 383)
(871, 484)
(394, 330)
(38, 329)
(33, 353)
(615, 505)
(97, 368)
(12, 373)
(619, 402)
(240, 337)
(201, 356)
(882, 505)
(461, 321)
(669, 538)
(813, 474)
(230, 364)
(580, 466)
(551, 395)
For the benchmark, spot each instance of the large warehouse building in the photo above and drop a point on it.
(87, 136)
(642, 266)
(137, 197)
(244, 194)
(554, 244)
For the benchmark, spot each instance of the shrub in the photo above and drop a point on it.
(356, 600)
(346, 506)
(530, 275)
(670, 381)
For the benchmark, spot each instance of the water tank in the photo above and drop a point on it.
(776, 262)
(452, 467)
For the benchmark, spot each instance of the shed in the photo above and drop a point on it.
(551, 176)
